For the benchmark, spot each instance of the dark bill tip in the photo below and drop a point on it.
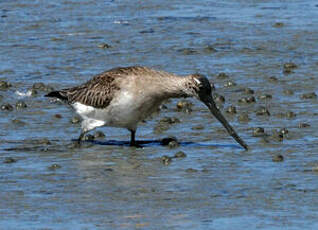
(218, 115)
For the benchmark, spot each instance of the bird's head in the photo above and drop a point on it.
(199, 87)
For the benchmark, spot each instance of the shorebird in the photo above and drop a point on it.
(124, 96)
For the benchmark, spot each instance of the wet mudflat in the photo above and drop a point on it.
(262, 60)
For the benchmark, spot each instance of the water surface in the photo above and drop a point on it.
(218, 185)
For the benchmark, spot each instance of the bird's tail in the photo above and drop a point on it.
(58, 94)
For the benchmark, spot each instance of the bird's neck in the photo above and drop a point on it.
(178, 87)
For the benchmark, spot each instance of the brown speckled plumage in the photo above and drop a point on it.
(99, 91)
(123, 96)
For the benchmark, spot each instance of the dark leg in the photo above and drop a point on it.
(132, 139)
(80, 137)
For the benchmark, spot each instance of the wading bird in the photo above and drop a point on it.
(124, 96)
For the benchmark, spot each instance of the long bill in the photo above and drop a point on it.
(216, 112)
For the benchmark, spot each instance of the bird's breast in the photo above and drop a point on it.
(131, 108)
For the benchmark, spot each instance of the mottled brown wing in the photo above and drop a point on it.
(98, 92)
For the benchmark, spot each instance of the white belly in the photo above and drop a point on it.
(124, 111)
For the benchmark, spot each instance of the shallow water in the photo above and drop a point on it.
(107, 185)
